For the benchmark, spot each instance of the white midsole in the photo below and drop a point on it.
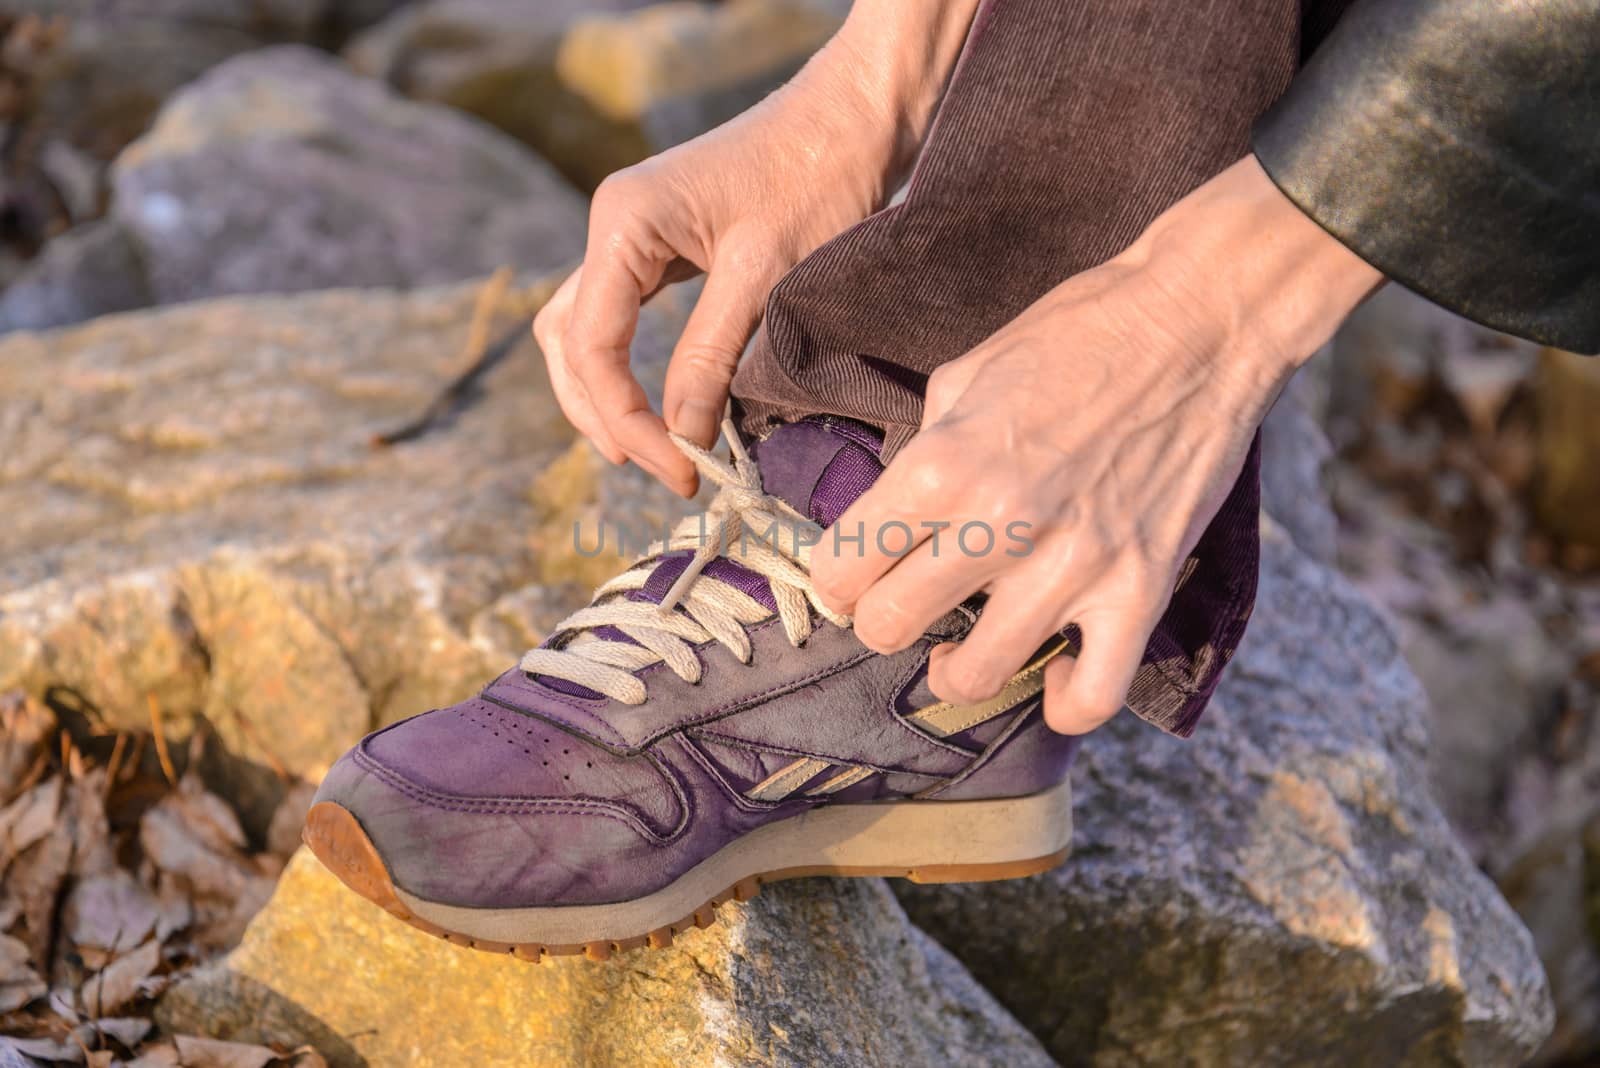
(883, 836)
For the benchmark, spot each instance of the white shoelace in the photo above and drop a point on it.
(713, 610)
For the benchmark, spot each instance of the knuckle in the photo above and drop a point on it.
(546, 328)
(926, 478)
(831, 586)
(883, 624)
(969, 680)
(615, 190)
(707, 360)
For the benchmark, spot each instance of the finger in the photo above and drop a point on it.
(921, 588)
(707, 354)
(1097, 685)
(885, 524)
(1020, 616)
(549, 329)
(619, 269)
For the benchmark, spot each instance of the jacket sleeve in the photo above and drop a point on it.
(1455, 146)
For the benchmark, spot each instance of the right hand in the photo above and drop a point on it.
(742, 203)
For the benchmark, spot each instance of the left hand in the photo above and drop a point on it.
(1112, 417)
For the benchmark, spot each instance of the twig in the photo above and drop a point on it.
(477, 358)
(454, 393)
(135, 759)
(161, 741)
(114, 763)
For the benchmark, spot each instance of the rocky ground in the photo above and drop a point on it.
(1383, 847)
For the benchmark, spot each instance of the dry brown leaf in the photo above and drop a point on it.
(176, 910)
(122, 980)
(29, 818)
(180, 844)
(56, 1051)
(83, 813)
(126, 1031)
(19, 983)
(214, 1053)
(9, 1057)
(108, 914)
(156, 1057)
(34, 881)
(24, 726)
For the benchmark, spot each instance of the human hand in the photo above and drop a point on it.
(1113, 417)
(742, 203)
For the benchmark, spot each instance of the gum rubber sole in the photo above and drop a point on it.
(337, 839)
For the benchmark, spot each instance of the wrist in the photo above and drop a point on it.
(1276, 283)
(895, 60)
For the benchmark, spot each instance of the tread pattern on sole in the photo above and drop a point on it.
(337, 839)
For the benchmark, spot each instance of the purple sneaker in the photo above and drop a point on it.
(704, 726)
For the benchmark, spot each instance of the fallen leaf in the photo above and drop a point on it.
(214, 1053)
(156, 1057)
(29, 818)
(108, 914)
(45, 1049)
(178, 847)
(119, 982)
(19, 983)
(24, 726)
(209, 815)
(83, 813)
(176, 911)
(34, 882)
(126, 1031)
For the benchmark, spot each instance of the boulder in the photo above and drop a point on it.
(93, 269)
(200, 526)
(1294, 451)
(1281, 889)
(100, 85)
(280, 171)
(810, 973)
(323, 22)
(596, 86)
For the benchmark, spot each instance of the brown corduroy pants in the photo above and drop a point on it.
(1067, 127)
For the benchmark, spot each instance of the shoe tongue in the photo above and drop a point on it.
(819, 465)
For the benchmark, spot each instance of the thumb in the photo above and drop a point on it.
(707, 354)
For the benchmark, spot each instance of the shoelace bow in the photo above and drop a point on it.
(713, 610)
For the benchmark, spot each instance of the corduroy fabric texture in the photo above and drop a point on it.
(1068, 126)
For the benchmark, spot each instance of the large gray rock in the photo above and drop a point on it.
(1281, 889)
(810, 974)
(323, 22)
(196, 518)
(596, 85)
(280, 171)
(93, 269)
